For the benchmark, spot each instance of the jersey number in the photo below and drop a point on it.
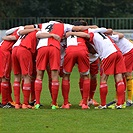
(104, 37)
(49, 28)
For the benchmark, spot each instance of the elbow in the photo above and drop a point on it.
(20, 33)
(121, 36)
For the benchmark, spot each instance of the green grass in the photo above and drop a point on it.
(74, 120)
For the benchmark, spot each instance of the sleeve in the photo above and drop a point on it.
(115, 38)
(68, 27)
(20, 28)
(10, 31)
(39, 32)
(102, 30)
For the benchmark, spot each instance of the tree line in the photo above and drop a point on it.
(66, 8)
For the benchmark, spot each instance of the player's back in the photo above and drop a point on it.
(103, 45)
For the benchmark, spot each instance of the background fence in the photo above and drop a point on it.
(115, 23)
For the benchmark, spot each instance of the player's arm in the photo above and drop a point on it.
(48, 35)
(31, 26)
(121, 35)
(9, 38)
(82, 28)
(109, 31)
(10, 31)
(26, 31)
(79, 34)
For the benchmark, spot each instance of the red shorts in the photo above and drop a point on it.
(75, 54)
(5, 64)
(128, 58)
(114, 64)
(1, 57)
(22, 61)
(48, 55)
(94, 67)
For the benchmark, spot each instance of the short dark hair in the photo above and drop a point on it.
(58, 20)
(84, 23)
(76, 23)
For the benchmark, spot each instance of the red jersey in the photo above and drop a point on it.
(30, 41)
(7, 45)
(57, 28)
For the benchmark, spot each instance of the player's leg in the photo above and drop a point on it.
(16, 87)
(94, 67)
(65, 90)
(129, 82)
(86, 90)
(26, 91)
(103, 91)
(55, 87)
(38, 87)
(120, 88)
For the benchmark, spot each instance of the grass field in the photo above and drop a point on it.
(74, 120)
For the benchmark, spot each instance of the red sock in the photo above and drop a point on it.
(26, 92)
(55, 89)
(4, 92)
(81, 86)
(38, 89)
(86, 89)
(120, 92)
(103, 93)
(65, 90)
(10, 93)
(16, 87)
(32, 91)
(93, 85)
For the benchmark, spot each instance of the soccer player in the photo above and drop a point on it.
(5, 71)
(23, 58)
(94, 66)
(112, 63)
(76, 52)
(126, 47)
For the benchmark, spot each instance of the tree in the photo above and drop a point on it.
(66, 8)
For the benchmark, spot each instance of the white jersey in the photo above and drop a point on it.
(62, 50)
(17, 43)
(44, 41)
(93, 57)
(103, 45)
(102, 30)
(1, 43)
(10, 31)
(72, 41)
(124, 45)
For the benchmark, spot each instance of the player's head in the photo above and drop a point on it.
(58, 20)
(77, 23)
(55, 21)
(84, 23)
(80, 23)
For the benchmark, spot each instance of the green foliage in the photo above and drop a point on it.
(66, 8)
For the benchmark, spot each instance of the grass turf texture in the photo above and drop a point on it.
(74, 120)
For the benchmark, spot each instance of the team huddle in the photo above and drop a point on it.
(57, 47)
